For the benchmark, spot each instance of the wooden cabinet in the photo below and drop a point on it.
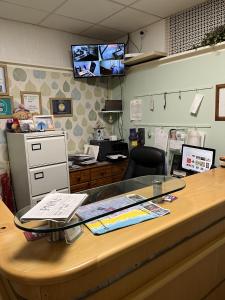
(96, 175)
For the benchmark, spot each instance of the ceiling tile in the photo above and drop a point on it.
(103, 33)
(19, 13)
(165, 8)
(45, 5)
(65, 24)
(137, 20)
(83, 10)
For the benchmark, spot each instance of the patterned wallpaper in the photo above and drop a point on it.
(87, 95)
(189, 27)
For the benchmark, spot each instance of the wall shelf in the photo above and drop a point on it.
(110, 111)
(144, 57)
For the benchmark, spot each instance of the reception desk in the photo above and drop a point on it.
(178, 256)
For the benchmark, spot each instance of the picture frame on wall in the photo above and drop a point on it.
(32, 102)
(6, 107)
(4, 90)
(61, 107)
(220, 102)
(43, 122)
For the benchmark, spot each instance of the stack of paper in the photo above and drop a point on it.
(55, 206)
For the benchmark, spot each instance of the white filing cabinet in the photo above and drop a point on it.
(39, 164)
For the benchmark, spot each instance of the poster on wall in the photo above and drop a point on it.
(32, 102)
(3, 80)
(6, 107)
(61, 107)
(136, 110)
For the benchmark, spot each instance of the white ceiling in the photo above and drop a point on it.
(99, 19)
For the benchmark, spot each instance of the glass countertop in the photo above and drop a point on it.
(150, 188)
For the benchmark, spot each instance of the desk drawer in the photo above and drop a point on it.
(79, 177)
(45, 179)
(79, 187)
(119, 168)
(101, 172)
(99, 182)
(46, 151)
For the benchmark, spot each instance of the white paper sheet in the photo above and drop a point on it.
(161, 138)
(91, 150)
(136, 110)
(196, 103)
(55, 206)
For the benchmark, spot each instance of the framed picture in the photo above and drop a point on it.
(220, 103)
(6, 107)
(26, 125)
(32, 102)
(3, 80)
(44, 122)
(61, 107)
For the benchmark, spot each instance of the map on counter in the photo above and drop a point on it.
(123, 218)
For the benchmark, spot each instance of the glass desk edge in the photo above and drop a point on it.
(64, 226)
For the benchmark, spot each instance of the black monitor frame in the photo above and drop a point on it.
(102, 75)
(192, 170)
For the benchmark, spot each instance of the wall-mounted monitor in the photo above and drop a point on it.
(97, 60)
(197, 159)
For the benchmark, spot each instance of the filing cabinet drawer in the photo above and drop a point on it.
(79, 177)
(46, 151)
(46, 179)
(100, 172)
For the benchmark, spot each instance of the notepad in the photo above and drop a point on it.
(55, 206)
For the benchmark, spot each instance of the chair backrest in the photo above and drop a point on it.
(145, 161)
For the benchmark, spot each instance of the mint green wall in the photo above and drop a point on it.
(205, 70)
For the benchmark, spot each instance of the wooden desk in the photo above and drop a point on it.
(178, 256)
(97, 174)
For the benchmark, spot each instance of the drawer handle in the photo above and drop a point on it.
(36, 147)
(38, 175)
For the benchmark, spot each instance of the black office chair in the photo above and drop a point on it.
(145, 160)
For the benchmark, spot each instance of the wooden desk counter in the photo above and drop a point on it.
(178, 256)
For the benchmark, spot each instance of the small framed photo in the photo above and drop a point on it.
(32, 102)
(26, 125)
(220, 103)
(44, 122)
(3, 80)
(61, 107)
(6, 107)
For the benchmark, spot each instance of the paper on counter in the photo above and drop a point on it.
(55, 206)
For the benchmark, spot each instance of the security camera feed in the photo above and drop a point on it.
(197, 159)
(98, 60)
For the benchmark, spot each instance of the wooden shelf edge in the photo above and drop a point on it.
(147, 56)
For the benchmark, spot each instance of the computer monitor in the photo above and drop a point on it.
(197, 159)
